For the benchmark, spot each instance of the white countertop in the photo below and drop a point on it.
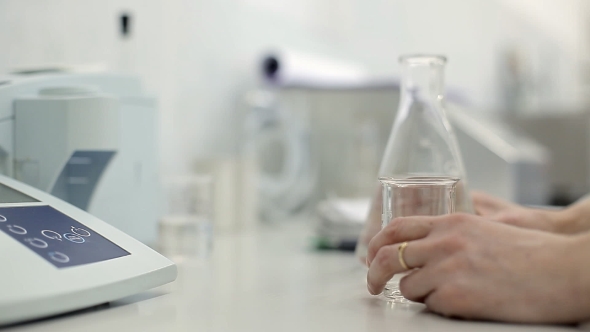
(268, 280)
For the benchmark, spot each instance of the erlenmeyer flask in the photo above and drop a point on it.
(421, 144)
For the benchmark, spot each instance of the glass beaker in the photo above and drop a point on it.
(422, 142)
(186, 228)
(414, 196)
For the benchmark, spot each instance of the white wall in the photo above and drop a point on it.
(551, 35)
(197, 55)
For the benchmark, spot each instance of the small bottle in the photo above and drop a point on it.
(422, 143)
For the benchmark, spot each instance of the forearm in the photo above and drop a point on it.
(569, 291)
(577, 271)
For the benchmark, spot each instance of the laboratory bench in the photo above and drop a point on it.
(265, 280)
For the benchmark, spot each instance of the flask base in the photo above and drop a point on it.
(392, 293)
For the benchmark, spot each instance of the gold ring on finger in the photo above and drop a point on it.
(400, 255)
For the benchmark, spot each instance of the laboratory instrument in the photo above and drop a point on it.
(422, 142)
(277, 143)
(288, 67)
(58, 258)
(414, 196)
(89, 138)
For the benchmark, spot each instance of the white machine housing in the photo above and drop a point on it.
(87, 138)
(31, 287)
(501, 160)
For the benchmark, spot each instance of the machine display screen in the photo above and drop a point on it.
(57, 238)
(9, 195)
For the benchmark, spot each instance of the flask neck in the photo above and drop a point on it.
(423, 77)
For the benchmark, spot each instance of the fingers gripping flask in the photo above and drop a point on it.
(422, 144)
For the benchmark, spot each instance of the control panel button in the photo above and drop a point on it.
(17, 229)
(36, 242)
(74, 238)
(80, 231)
(51, 234)
(59, 257)
(2, 218)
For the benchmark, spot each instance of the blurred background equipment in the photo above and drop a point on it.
(348, 128)
(87, 138)
(306, 123)
(296, 68)
(318, 143)
(302, 106)
(566, 135)
(186, 225)
(501, 159)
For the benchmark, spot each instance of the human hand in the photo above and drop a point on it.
(506, 212)
(409, 201)
(469, 267)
